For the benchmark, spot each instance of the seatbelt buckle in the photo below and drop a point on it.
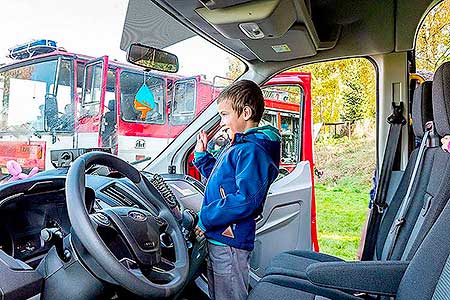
(433, 138)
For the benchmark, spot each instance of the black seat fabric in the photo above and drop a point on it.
(428, 273)
(294, 263)
(282, 287)
(426, 278)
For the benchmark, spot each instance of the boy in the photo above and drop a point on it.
(237, 186)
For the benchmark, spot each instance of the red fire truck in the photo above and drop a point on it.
(52, 99)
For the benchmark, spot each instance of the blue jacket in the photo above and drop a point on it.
(238, 182)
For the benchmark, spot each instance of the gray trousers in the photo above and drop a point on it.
(227, 272)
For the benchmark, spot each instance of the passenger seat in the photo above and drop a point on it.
(294, 263)
(427, 246)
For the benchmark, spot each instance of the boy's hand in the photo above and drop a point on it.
(445, 143)
(202, 141)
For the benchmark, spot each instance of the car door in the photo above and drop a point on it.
(288, 218)
(91, 106)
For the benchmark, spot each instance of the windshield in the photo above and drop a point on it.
(75, 89)
(28, 93)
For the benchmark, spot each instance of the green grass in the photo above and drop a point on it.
(340, 216)
(342, 193)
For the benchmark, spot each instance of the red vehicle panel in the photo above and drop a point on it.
(27, 154)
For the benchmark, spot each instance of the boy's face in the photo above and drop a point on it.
(230, 121)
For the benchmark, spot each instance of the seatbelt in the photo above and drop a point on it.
(392, 237)
(396, 121)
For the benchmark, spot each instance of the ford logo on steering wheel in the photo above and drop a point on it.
(137, 216)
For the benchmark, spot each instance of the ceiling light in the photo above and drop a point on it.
(252, 30)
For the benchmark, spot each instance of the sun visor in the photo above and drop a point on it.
(265, 18)
(273, 30)
(146, 23)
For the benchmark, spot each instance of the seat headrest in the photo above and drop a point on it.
(422, 108)
(441, 99)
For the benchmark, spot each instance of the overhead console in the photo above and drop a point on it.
(273, 30)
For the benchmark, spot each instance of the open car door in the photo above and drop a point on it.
(288, 218)
(92, 103)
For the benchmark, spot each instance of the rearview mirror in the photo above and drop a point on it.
(152, 58)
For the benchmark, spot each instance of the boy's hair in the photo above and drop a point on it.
(244, 93)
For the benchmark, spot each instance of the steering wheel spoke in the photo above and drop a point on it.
(164, 271)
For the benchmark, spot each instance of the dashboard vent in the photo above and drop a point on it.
(118, 194)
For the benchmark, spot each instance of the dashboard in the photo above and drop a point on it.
(28, 206)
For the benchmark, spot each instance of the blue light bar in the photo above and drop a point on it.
(32, 48)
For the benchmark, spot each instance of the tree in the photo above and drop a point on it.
(354, 106)
(433, 38)
(235, 68)
(329, 85)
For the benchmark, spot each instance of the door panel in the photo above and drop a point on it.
(286, 219)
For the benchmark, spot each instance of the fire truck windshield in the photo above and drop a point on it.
(137, 90)
(36, 98)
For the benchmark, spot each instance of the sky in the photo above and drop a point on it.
(90, 27)
(94, 28)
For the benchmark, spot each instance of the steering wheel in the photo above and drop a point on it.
(139, 229)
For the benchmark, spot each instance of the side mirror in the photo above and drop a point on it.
(152, 58)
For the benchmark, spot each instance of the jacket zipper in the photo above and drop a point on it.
(222, 155)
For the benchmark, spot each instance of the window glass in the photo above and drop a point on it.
(283, 110)
(66, 114)
(433, 40)
(290, 134)
(142, 98)
(269, 118)
(80, 78)
(31, 100)
(93, 89)
(108, 130)
(183, 105)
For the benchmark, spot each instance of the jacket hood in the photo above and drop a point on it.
(268, 137)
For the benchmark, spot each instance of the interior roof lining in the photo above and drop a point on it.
(187, 8)
(386, 41)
